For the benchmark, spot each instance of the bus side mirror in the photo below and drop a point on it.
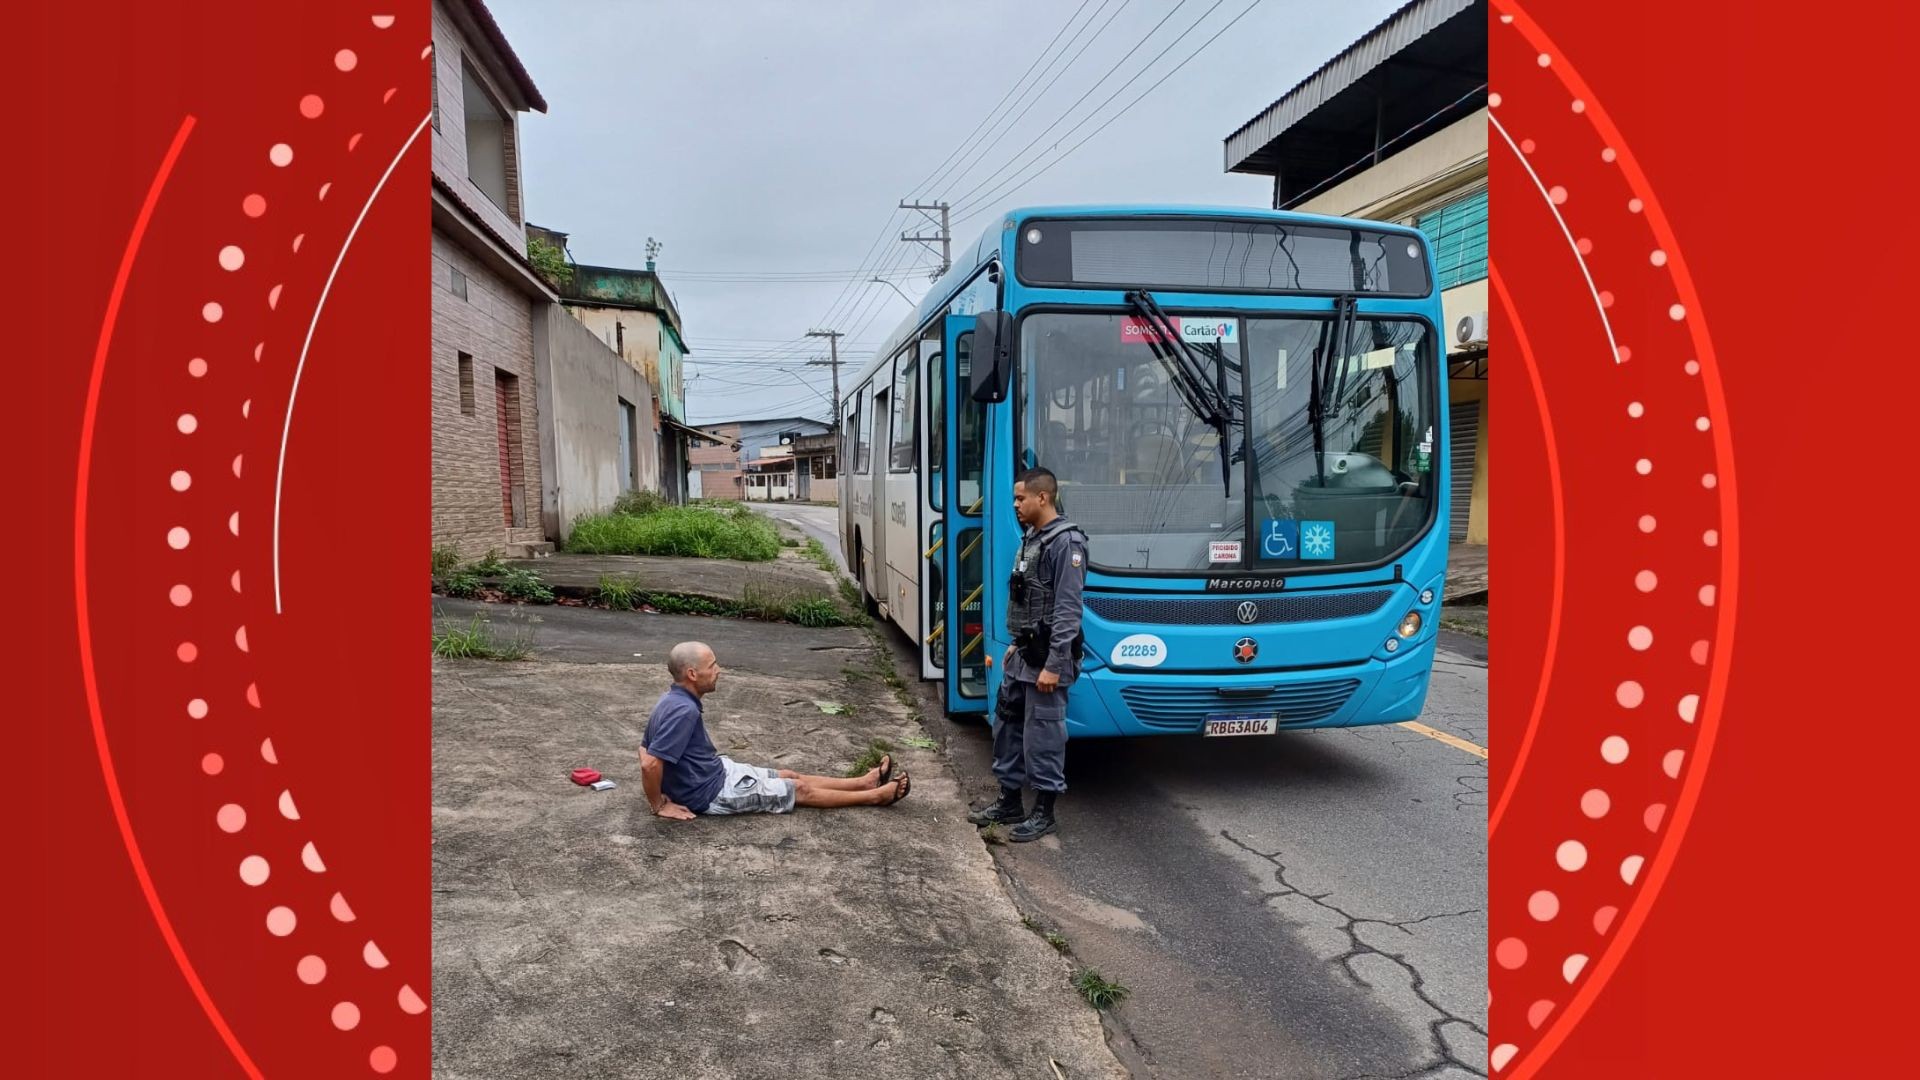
(992, 361)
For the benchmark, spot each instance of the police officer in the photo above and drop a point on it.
(1043, 618)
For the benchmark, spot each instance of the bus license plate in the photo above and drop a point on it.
(1241, 724)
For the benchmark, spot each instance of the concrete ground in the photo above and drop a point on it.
(1309, 904)
(576, 935)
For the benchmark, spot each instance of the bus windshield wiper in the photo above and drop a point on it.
(1208, 401)
(1325, 394)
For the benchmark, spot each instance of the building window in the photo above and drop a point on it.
(489, 133)
(821, 467)
(1458, 233)
(459, 285)
(466, 384)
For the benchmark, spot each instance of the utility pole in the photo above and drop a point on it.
(945, 239)
(833, 344)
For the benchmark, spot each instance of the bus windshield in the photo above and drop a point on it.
(1367, 488)
(1141, 473)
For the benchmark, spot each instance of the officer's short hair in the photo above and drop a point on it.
(1040, 481)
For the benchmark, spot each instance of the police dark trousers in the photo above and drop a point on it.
(1043, 618)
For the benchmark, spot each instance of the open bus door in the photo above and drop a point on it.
(956, 551)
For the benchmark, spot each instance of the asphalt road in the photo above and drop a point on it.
(1297, 905)
(1307, 904)
(822, 522)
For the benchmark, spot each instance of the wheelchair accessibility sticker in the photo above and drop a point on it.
(1279, 538)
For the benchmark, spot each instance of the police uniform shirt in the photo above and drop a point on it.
(1064, 567)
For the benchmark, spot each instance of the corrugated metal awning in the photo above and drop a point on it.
(1401, 30)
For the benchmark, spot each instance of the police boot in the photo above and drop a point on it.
(1005, 812)
(1039, 823)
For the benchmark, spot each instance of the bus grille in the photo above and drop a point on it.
(1170, 708)
(1224, 611)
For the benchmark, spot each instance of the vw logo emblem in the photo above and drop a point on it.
(1247, 611)
(1245, 650)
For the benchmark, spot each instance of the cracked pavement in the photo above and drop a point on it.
(1310, 904)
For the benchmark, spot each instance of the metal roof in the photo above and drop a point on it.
(1405, 41)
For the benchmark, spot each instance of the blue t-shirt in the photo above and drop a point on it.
(677, 736)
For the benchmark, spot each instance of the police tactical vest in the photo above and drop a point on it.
(1030, 591)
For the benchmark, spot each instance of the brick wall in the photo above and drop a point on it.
(494, 325)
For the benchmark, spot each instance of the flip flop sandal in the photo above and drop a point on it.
(904, 784)
(886, 769)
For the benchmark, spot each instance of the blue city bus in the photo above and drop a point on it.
(1247, 414)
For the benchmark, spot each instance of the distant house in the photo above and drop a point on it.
(755, 459)
(631, 312)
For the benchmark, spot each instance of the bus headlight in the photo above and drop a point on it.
(1393, 644)
(1410, 625)
(1426, 596)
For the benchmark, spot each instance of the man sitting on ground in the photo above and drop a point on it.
(684, 776)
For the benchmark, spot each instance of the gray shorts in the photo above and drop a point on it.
(749, 789)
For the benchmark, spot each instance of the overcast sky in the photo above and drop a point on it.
(765, 144)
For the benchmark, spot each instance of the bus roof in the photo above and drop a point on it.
(970, 258)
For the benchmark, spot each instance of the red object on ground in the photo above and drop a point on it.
(583, 777)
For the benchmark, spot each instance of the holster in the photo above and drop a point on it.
(1034, 645)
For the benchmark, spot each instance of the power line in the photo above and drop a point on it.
(1097, 83)
(765, 275)
(927, 184)
(830, 317)
(979, 204)
(848, 300)
(1014, 163)
(1060, 71)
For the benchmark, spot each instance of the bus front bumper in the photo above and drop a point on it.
(1119, 702)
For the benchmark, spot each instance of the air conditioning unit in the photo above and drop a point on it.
(1471, 330)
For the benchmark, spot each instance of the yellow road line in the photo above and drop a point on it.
(1450, 740)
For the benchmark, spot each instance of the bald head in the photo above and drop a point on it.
(685, 657)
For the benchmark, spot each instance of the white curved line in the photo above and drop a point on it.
(1588, 274)
(280, 468)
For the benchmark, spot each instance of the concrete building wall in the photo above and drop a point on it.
(635, 336)
(1432, 171)
(493, 326)
(583, 384)
(453, 55)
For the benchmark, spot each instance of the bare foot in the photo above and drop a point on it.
(881, 773)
